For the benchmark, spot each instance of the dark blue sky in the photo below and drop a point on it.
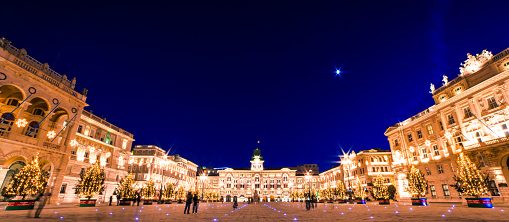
(212, 78)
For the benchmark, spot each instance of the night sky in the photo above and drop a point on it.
(210, 79)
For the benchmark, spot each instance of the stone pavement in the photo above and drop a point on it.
(265, 212)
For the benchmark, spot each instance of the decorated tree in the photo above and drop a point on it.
(31, 180)
(417, 184)
(380, 190)
(327, 193)
(148, 191)
(91, 182)
(125, 188)
(469, 180)
(169, 191)
(360, 191)
(339, 191)
(180, 193)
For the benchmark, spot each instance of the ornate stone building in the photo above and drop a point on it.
(150, 162)
(364, 166)
(96, 141)
(256, 182)
(470, 115)
(39, 110)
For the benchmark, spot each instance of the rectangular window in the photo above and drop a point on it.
(419, 134)
(440, 169)
(492, 103)
(396, 143)
(428, 171)
(445, 187)
(467, 112)
(459, 141)
(228, 185)
(433, 191)
(63, 188)
(441, 125)
(424, 153)
(504, 128)
(257, 186)
(436, 152)
(430, 129)
(410, 139)
(450, 119)
(415, 156)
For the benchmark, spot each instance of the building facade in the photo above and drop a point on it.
(363, 167)
(96, 141)
(257, 182)
(470, 115)
(40, 110)
(149, 162)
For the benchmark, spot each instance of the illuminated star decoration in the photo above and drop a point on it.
(339, 72)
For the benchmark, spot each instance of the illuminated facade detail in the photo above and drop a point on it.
(21, 122)
(470, 116)
(150, 162)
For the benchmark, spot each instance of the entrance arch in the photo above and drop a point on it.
(13, 170)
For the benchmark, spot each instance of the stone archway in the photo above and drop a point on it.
(12, 170)
(505, 168)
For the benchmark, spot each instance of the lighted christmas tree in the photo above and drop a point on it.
(340, 190)
(359, 191)
(125, 188)
(29, 181)
(380, 190)
(469, 180)
(180, 193)
(417, 184)
(148, 191)
(169, 191)
(91, 182)
(327, 193)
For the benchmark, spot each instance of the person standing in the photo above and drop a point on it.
(42, 202)
(195, 203)
(235, 203)
(189, 200)
(138, 199)
(118, 198)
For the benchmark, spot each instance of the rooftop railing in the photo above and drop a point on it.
(42, 70)
(106, 123)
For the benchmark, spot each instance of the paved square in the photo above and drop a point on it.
(266, 212)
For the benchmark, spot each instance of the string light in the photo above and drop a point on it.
(21, 122)
(91, 182)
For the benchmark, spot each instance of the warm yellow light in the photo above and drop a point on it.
(21, 122)
(51, 134)
(73, 143)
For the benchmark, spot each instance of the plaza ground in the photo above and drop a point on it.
(265, 212)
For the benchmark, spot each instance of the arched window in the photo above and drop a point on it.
(38, 112)
(12, 102)
(6, 123)
(32, 129)
(13, 170)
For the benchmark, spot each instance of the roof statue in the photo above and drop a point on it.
(474, 63)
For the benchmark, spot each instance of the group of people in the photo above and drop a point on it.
(191, 199)
(311, 201)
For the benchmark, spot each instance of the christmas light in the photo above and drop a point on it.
(469, 180)
(73, 143)
(21, 122)
(91, 182)
(29, 181)
(51, 134)
(380, 190)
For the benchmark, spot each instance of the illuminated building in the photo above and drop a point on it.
(39, 111)
(96, 141)
(470, 115)
(150, 162)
